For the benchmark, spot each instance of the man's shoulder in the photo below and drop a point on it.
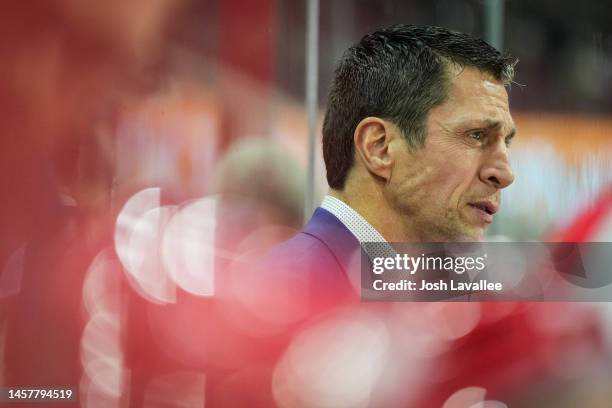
(315, 267)
(325, 245)
(302, 249)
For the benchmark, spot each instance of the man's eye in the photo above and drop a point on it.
(477, 135)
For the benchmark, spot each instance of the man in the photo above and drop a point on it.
(415, 142)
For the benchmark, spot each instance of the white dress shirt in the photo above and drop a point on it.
(358, 226)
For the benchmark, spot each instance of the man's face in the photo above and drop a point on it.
(450, 188)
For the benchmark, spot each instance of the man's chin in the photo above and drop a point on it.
(474, 234)
(454, 231)
(460, 236)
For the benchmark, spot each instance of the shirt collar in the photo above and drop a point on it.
(352, 220)
(358, 226)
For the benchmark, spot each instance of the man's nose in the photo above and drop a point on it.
(497, 171)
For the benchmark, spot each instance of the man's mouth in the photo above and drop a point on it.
(484, 210)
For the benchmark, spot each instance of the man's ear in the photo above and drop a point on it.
(372, 138)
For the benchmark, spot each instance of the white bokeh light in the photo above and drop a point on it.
(489, 404)
(146, 272)
(101, 287)
(471, 397)
(138, 234)
(188, 247)
(466, 397)
(104, 379)
(134, 208)
(427, 330)
(101, 353)
(336, 363)
(454, 320)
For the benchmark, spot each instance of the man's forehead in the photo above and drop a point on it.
(477, 96)
(472, 82)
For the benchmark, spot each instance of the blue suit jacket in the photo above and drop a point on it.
(318, 261)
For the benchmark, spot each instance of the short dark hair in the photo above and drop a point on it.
(399, 74)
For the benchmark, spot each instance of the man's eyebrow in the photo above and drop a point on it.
(511, 135)
(495, 124)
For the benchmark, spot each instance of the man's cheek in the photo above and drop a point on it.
(454, 194)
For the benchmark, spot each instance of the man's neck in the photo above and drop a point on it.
(372, 206)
